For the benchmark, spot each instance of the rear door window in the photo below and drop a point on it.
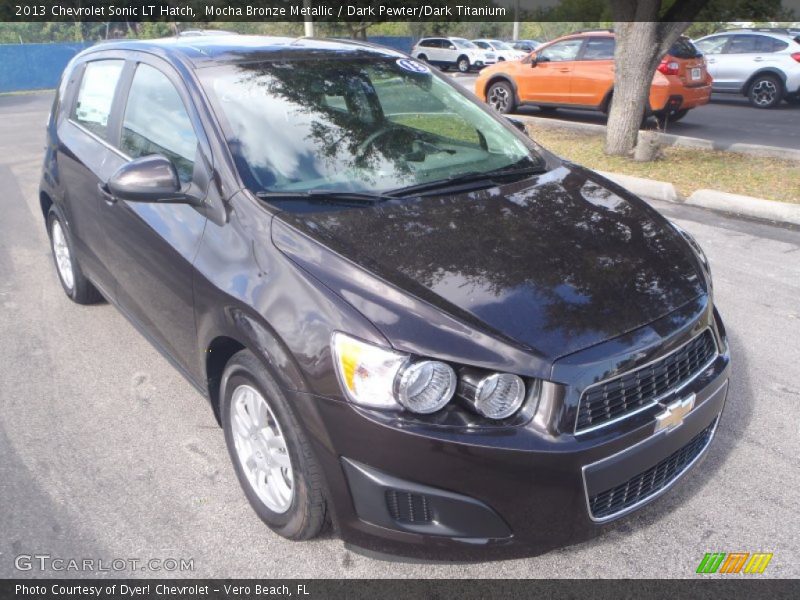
(96, 95)
(713, 45)
(599, 49)
(157, 122)
(749, 44)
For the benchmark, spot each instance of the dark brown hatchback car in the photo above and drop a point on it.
(412, 322)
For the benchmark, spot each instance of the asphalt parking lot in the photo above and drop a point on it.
(107, 453)
(726, 120)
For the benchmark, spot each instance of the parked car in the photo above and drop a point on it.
(761, 65)
(407, 317)
(453, 52)
(577, 71)
(526, 46)
(500, 49)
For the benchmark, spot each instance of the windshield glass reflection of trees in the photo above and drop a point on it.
(354, 125)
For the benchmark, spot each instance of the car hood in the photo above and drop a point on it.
(552, 264)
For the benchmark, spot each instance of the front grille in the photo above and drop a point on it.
(642, 387)
(637, 489)
(407, 507)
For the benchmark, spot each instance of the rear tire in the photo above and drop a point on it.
(500, 96)
(765, 91)
(423, 58)
(74, 283)
(271, 455)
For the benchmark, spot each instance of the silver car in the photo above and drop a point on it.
(452, 52)
(762, 65)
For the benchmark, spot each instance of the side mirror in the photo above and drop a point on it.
(148, 179)
(534, 59)
(517, 123)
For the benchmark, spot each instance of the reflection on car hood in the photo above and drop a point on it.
(554, 264)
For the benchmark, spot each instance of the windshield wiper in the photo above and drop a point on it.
(326, 197)
(487, 177)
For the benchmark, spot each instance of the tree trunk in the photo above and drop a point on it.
(635, 62)
(641, 41)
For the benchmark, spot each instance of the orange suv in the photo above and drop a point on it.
(577, 71)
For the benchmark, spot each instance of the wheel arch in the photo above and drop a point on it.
(45, 202)
(765, 71)
(506, 79)
(243, 331)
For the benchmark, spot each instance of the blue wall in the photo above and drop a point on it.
(39, 66)
(401, 43)
(35, 66)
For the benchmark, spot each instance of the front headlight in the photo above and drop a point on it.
(377, 377)
(380, 378)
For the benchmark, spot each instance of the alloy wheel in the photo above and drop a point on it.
(261, 448)
(498, 98)
(463, 65)
(62, 256)
(764, 92)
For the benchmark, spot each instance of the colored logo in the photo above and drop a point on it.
(412, 65)
(734, 562)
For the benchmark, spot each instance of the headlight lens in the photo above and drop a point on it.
(426, 386)
(366, 372)
(381, 378)
(499, 396)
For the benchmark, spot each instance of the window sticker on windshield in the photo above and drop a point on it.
(412, 65)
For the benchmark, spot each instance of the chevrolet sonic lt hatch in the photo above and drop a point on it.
(413, 323)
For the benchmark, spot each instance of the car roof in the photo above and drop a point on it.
(780, 36)
(208, 50)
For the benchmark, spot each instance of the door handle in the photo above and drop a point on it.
(106, 193)
(758, 59)
(564, 70)
(711, 60)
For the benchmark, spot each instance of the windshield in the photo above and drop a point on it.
(500, 45)
(462, 43)
(355, 125)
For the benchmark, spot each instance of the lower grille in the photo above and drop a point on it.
(407, 507)
(635, 390)
(638, 489)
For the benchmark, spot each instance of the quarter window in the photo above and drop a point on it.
(96, 95)
(156, 122)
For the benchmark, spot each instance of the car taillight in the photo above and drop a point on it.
(796, 56)
(668, 67)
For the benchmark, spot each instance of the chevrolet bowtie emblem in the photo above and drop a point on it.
(673, 414)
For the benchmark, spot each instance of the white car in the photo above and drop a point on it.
(501, 49)
(762, 65)
(455, 52)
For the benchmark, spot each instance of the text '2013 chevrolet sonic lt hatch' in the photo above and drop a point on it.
(411, 321)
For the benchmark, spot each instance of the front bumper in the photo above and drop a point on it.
(466, 494)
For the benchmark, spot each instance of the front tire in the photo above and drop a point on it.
(463, 64)
(500, 96)
(765, 91)
(271, 455)
(75, 284)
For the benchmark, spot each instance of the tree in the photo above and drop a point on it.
(645, 30)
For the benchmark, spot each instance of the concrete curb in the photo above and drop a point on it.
(658, 190)
(781, 212)
(669, 139)
(746, 205)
